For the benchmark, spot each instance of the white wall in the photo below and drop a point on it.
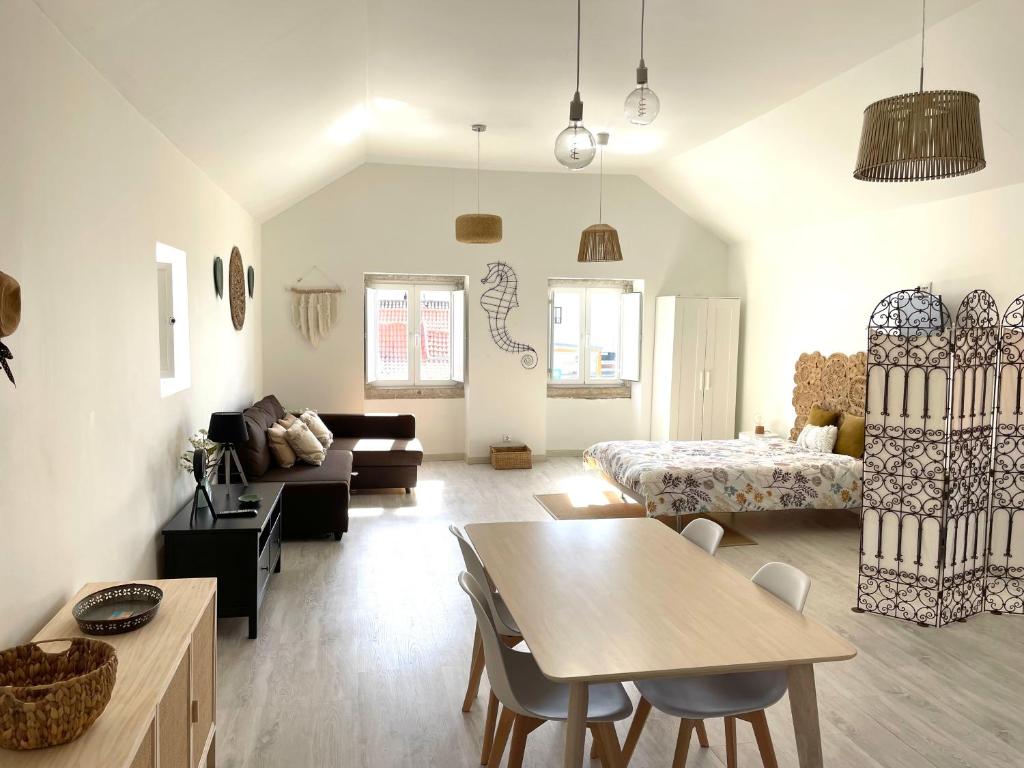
(385, 218)
(814, 288)
(89, 448)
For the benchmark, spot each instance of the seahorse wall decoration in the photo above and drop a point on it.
(498, 301)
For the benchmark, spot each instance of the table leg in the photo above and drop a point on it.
(803, 702)
(576, 728)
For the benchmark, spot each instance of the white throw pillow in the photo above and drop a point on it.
(317, 427)
(305, 444)
(283, 454)
(287, 420)
(818, 439)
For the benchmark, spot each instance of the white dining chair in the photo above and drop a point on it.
(743, 695)
(506, 628)
(706, 534)
(529, 699)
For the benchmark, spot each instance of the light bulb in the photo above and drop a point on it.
(642, 105)
(575, 147)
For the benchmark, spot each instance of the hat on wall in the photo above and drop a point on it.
(10, 305)
(10, 316)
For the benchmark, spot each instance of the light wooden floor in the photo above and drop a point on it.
(364, 648)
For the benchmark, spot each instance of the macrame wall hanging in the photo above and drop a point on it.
(497, 302)
(314, 309)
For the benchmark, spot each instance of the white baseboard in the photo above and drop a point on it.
(444, 457)
(537, 457)
(565, 452)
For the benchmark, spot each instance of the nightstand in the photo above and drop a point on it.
(751, 436)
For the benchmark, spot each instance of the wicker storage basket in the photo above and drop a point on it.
(511, 457)
(51, 698)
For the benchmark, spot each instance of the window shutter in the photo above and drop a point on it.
(459, 336)
(631, 307)
(370, 336)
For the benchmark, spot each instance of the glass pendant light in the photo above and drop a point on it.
(574, 147)
(600, 242)
(921, 136)
(478, 227)
(642, 104)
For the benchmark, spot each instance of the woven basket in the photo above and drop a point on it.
(51, 698)
(511, 457)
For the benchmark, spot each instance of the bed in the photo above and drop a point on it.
(677, 478)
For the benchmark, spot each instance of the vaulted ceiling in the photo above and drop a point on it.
(274, 99)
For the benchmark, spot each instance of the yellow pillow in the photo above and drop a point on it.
(821, 418)
(851, 436)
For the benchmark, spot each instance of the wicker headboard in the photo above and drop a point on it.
(835, 382)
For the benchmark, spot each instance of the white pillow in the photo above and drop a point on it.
(818, 439)
(317, 427)
(305, 444)
(283, 454)
(287, 420)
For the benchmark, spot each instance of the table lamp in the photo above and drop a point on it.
(228, 428)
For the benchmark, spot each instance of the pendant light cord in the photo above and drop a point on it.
(478, 171)
(600, 193)
(924, 4)
(643, 11)
(579, 16)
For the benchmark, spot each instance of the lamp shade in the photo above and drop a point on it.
(921, 136)
(599, 242)
(478, 228)
(228, 427)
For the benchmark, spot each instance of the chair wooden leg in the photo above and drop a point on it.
(523, 727)
(501, 737)
(643, 709)
(595, 750)
(608, 745)
(764, 738)
(730, 742)
(476, 670)
(489, 725)
(683, 743)
(702, 735)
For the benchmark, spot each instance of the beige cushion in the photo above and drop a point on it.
(305, 444)
(817, 439)
(318, 428)
(287, 420)
(279, 448)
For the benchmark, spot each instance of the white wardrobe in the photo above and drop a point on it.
(696, 346)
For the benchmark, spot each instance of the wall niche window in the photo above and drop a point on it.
(414, 336)
(172, 320)
(594, 336)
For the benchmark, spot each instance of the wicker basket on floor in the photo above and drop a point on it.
(511, 457)
(52, 698)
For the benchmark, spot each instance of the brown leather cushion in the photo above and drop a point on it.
(337, 468)
(381, 452)
(271, 405)
(255, 454)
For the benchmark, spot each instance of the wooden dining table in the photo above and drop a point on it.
(617, 600)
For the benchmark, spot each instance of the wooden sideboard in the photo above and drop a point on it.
(162, 713)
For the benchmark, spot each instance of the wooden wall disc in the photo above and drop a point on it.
(236, 289)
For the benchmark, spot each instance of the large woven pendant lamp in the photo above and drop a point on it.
(600, 242)
(478, 227)
(921, 136)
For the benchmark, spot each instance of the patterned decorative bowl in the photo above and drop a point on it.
(115, 610)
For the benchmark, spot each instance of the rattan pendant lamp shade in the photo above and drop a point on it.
(600, 242)
(478, 228)
(921, 136)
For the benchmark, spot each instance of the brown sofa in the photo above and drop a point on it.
(369, 451)
(384, 448)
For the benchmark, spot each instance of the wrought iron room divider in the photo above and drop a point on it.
(943, 460)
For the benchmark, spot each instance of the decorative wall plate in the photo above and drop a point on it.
(236, 289)
(218, 277)
(250, 275)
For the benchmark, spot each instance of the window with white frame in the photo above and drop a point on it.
(594, 332)
(415, 331)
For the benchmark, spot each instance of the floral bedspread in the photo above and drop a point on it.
(676, 478)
